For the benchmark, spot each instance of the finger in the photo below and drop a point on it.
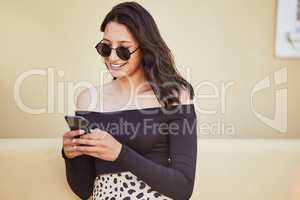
(92, 149)
(85, 141)
(95, 135)
(71, 134)
(97, 130)
(70, 149)
(68, 142)
(74, 154)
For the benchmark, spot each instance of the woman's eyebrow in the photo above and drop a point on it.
(122, 41)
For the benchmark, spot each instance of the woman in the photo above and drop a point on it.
(154, 156)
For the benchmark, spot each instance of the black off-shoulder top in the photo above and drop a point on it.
(158, 145)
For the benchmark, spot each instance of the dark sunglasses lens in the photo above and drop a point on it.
(123, 53)
(103, 49)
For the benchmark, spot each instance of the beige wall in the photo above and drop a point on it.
(218, 41)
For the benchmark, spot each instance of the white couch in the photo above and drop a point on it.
(237, 169)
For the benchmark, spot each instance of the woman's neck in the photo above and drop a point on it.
(134, 84)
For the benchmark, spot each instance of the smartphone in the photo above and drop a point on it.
(77, 123)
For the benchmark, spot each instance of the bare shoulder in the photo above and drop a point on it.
(88, 99)
(83, 99)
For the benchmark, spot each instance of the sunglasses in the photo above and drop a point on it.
(122, 52)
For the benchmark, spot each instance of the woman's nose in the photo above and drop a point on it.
(113, 55)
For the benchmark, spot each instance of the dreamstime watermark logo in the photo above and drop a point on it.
(279, 122)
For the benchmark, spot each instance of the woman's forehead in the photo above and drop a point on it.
(115, 32)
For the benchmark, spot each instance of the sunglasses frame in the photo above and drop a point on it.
(116, 49)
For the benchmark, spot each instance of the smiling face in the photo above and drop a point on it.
(116, 35)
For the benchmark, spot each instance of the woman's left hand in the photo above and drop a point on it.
(102, 145)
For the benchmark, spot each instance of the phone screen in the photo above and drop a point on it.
(77, 123)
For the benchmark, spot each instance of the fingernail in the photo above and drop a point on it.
(81, 131)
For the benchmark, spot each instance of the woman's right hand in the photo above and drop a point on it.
(69, 147)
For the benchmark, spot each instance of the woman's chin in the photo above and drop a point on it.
(117, 73)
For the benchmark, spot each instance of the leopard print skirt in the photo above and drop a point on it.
(125, 186)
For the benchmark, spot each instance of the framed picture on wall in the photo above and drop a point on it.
(288, 29)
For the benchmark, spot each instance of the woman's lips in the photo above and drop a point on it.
(117, 67)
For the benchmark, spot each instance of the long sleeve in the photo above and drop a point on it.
(80, 173)
(177, 180)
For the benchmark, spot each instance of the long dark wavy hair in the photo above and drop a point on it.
(157, 59)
